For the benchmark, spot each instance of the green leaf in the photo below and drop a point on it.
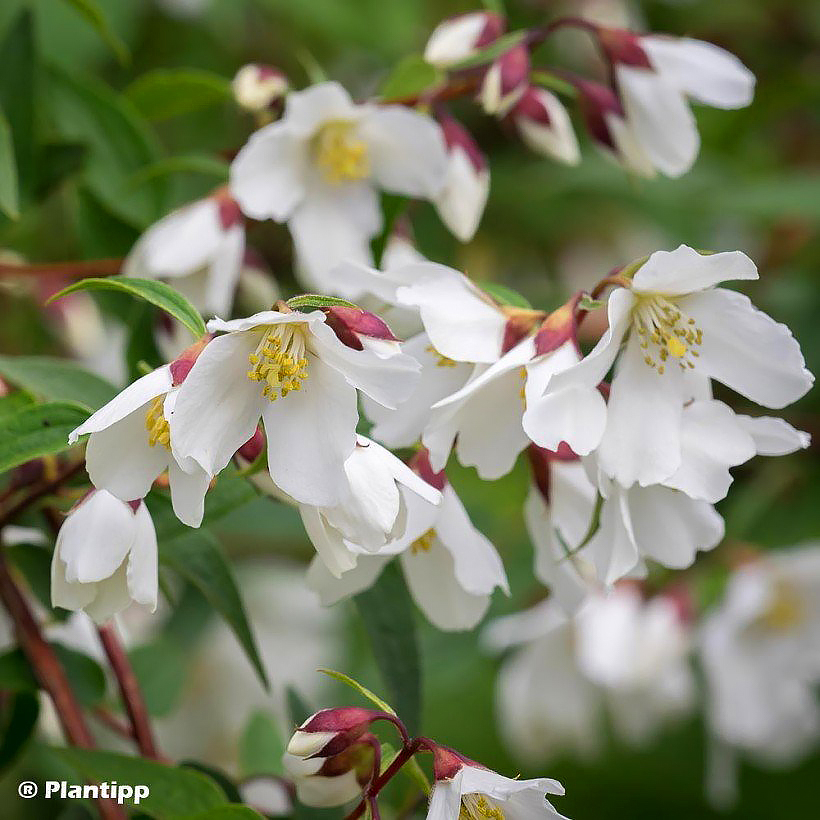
(553, 82)
(219, 777)
(18, 93)
(230, 812)
(157, 293)
(120, 144)
(85, 675)
(57, 380)
(56, 161)
(505, 296)
(174, 791)
(197, 557)
(260, 747)
(165, 93)
(389, 619)
(38, 431)
(360, 688)
(20, 713)
(315, 300)
(89, 10)
(9, 193)
(486, 55)
(410, 77)
(160, 670)
(12, 404)
(187, 164)
(298, 710)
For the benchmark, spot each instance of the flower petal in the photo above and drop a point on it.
(188, 493)
(613, 548)
(334, 557)
(223, 273)
(325, 102)
(311, 432)
(406, 150)
(684, 270)
(332, 589)
(461, 201)
(142, 573)
(747, 350)
(774, 437)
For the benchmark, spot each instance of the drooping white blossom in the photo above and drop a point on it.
(199, 248)
(459, 37)
(130, 444)
(320, 166)
(105, 557)
(301, 376)
(544, 125)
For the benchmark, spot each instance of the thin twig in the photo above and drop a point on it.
(129, 690)
(40, 492)
(75, 270)
(119, 727)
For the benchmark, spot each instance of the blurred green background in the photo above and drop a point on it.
(547, 230)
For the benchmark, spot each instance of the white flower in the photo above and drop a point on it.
(318, 784)
(319, 167)
(465, 790)
(105, 557)
(678, 329)
(619, 653)
(467, 183)
(200, 247)
(760, 651)
(256, 87)
(373, 510)
(457, 38)
(655, 75)
(293, 371)
(130, 445)
(451, 569)
(545, 126)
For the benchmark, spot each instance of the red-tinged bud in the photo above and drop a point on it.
(135, 504)
(505, 81)
(332, 781)
(229, 212)
(599, 104)
(354, 326)
(420, 464)
(623, 46)
(458, 37)
(253, 447)
(544, 125)
(540, 460)
(181, 366)
(520, 323)
(257, 87)
(680, 596)
(559, 327)
(456, 136)
(331, 731)
(448, 762)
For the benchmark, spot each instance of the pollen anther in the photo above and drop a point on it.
(279, 361)
(159, 431)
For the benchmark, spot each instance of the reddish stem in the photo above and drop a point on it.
(40, 492)
(129, 690)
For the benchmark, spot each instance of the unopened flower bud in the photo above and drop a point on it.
(458, 37)
(506, 81)
(256, 87)
(623, 46)
(467, 184)
(181, 366)
(330, 731)
(560, 326)
(544, 125)
(360, 329)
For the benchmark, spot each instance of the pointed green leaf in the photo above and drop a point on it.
(505, 296)
(360, 688)
(413, 75)
(187, 164)
(315, 300)
(157, 293)
(9, 193)
(57, 380)
(38, 431)
(93, 14)
(486, 55)
(197, 557)
(165, 93)
(175, 792)
(229, 812)
(260, 747)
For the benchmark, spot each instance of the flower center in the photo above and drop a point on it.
(443, 361)
(477, 807)
(340, 154)
(666, 331)
(785, 611)
(423, 542)
(279, 361)
(157, 425)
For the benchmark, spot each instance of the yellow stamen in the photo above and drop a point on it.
(443, 361)
(279, 361)
(423, 542)
(477, 807)
(157, 425)
(664, 331)
(785, 611)
(340, 154)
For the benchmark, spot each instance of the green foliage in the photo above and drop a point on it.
(314, 300)
(38, 431)
(198, 558)
(411, 76)
(152, 291)
(17, 724)
(388, 615)
(95, 17)
(489, 53)
(260, 747)
(160, 670)
(9, 193)
(361, 689)
(175, 792)
(57, 380)
(162, 94)
(505, 296)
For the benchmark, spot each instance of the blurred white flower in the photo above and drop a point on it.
(257, 86)
(130, 445)
(545, 127)
(760, 650)
(294, 371)
(679, 330)
(199, 247)
(319, 168)
(458, 37)
(105, 557)
(451, 569)
(620, 654)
